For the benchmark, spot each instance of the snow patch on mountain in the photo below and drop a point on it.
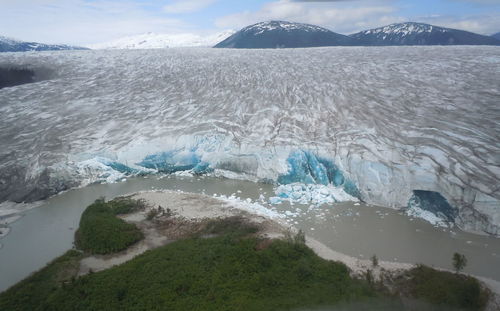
(405, 29)
(281, 34)
(8, 40)
(412, 33)
(159, 41)
(13, 45)
(262, 27)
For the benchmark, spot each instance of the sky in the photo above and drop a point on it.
(84, 22)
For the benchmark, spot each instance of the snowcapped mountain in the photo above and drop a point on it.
(421, 34)
(159, 41)
(496, 36)
(281, 34)
(12, 45)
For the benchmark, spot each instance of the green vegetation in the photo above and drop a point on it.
(221, 273)
(34, 290)
(369, 277)
(125, 205)
(441, 288)
(160, 211)
(233, 226)
(459, 262)
(152, 214)
(101, 232)
(299, 238)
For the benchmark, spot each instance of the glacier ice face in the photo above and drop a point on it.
(433, 207)
(171, 162)
(435, 203)
(304, 169)
(377, 122)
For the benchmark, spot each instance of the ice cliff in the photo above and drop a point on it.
(402, 127)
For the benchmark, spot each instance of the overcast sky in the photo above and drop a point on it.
(93, 21)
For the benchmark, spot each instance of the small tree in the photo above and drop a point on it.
(152, 214)
(374, 260)
(289, 236)
(300, 237)
(370, 279)
(459, 262)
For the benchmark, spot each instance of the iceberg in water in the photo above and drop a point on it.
(310, 194)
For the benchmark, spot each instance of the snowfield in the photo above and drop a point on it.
(161, 41)
(378, 122)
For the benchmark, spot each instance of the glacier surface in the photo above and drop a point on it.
(376, 123)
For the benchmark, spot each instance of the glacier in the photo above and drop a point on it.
(376, 124)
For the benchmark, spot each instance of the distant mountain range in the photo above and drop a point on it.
(280, 34)
(12, 45)
(159, 41)
(421, 34)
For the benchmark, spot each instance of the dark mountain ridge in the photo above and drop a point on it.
(281, 34)
(412, 33)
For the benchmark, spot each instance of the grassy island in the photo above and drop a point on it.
(102, 232)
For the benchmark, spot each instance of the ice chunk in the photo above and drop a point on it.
(275, 200)
(312, 194)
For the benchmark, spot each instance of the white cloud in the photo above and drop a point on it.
(83, 22)
(351, 16)
(187, 6)
(80, 22)
(482, 24)
(339, 19)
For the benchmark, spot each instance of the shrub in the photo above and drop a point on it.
(370, 279)
(152, 214)
(459, 262)
(126, 205)
(297, 239)
(33, 291)
(374, 260)
(446, 289)
(101, 232)
(234, 226)
(207, 274)
(300, 237)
